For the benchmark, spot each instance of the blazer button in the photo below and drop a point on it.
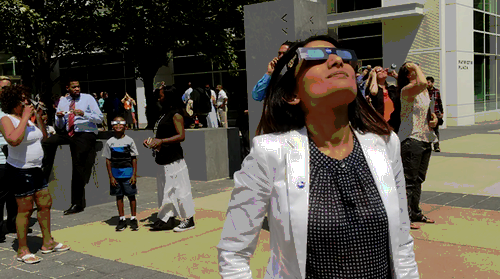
(342, 165)
(301, 184)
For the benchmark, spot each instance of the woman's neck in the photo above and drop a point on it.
(330, 131)
(381, 82)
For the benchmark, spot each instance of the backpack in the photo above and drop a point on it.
(201, 101)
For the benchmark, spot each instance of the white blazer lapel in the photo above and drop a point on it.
(375, 151)
(297, 174)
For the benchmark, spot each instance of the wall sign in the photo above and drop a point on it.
(464, 64)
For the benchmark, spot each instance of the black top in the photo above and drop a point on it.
(165, 128)
(378, 104)
(348, 228)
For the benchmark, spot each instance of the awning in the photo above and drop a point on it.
(374, 15)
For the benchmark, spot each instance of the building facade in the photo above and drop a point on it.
(455, 41)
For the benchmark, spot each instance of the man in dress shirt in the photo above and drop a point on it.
(78, 114)
(259, 90)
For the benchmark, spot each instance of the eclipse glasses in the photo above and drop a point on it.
(322, 53)
(118, 122)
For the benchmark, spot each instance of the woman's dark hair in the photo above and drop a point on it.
(172, 101)
(279, 116)
(12, 96)
(403, 79)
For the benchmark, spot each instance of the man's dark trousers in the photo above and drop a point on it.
(7, 198)
(436, 131)
(416, 156)
(81, 144)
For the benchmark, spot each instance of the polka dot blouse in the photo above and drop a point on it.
(348, 229)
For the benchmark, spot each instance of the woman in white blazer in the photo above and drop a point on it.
(327, 172)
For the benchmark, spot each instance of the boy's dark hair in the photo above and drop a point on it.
(279, 116)
(287, 43)
(119, 116)
(430, 78)
(12, 96)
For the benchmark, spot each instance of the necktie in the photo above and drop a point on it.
(71, 119)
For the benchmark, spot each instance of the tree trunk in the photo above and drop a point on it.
(148, 73)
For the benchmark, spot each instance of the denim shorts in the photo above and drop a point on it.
(124, 188)
(25, 182)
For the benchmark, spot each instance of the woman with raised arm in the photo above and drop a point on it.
(416, 135)
(24, 166)
(326, 169)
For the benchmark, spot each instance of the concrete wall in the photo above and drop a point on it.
(209, 154)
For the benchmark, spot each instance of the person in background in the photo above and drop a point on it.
(101, 103)
(213, 117)
(174, 186)
(7, 197)
(121, 154)
(187, 95)
(79, 113)
(134, 118)
(384, 98)
(128, 103)
(24, 166)
(326, 169)
(435, 95)
(259, 90)
(416, 135)
(222, 106)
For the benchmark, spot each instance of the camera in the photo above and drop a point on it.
(393, 67)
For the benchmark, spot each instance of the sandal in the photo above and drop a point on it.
(58, 248)
(414, 226)
(424, 219)
(29, 259)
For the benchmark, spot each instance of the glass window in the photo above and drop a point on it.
(498, 80)
(490, 44)
(478, 4)
(490, 6)
(498, 44)
(478, 42)
(490, 83)
(191, 64)
(490, 22)
(478, 83)
(359, 31)
(360, 46)
(478, 21)
(357, 5)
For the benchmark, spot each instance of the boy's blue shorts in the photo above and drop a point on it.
(124, 188)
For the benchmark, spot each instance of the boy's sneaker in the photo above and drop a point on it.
(185, 225)
(121, 225)
(133, 225)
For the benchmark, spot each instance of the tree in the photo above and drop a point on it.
(38, 33)
(147, 32)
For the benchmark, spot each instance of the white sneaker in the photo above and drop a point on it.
(185, 225)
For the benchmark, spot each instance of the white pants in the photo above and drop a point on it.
(222, 113)
(174, 191)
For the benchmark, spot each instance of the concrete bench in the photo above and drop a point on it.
(209, 153)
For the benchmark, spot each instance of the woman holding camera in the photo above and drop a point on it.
(416, 135)
(174, 187)
(384, 98)
(24, 166)
(326, 170)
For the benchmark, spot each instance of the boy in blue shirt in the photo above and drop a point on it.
(120, 152)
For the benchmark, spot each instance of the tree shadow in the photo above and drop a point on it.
(150, 219)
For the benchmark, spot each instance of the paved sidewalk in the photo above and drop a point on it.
(460, 193)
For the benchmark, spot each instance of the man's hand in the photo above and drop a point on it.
(434, 121)
(271, 65)
(113, 182)
(155, 143)
(133, 180)
(78, 112)
(60, 114)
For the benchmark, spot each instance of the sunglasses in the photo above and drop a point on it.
(118, 122)
(322, 53)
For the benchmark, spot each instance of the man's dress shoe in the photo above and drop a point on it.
(73, 209)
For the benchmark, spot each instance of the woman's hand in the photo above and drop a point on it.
(412, 66)
(28, 112)
(155, 143)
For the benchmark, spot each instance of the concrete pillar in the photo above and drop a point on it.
(267, 26)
